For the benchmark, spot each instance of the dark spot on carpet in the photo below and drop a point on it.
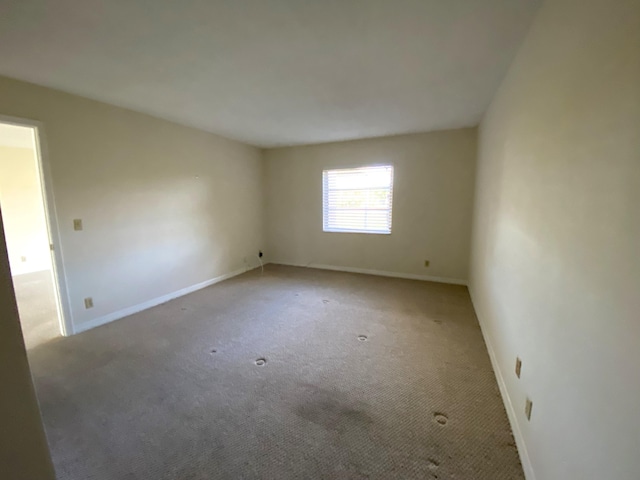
(362, 338)
(325, 301)
(333, 410)
(213, 350)
(261, 362)
(333, 415)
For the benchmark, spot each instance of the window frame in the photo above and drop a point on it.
(325, 192)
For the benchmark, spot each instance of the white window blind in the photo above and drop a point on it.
(357, 199)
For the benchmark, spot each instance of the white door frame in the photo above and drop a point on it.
(63, 303)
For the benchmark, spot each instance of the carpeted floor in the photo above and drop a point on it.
(37, 306)
(363, 378)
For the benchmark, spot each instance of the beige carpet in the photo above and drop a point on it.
(364, 378)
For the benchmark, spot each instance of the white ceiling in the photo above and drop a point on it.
(273, 72)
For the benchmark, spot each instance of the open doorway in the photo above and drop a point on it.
(23, 205)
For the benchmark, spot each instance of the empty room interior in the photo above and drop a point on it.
(337, 239)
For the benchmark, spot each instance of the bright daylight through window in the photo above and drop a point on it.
(357, 199)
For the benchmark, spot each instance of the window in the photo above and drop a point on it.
(357, 199)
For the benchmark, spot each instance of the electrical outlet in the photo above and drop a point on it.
(23, 259)
(527, 408)
(518, 366)
(77, 224)
(426, 263)
(88, 302)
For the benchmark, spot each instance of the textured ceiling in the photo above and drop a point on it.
(273, 72)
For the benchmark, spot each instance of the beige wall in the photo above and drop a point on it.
(23, 211)
(24, 454)
(555, 272)
(164, 206)
(432, 204)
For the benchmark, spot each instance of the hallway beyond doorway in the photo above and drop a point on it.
(37, 307)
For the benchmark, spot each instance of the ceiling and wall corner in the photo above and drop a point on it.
(273, 72)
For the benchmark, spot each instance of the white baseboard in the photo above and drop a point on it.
(381, 273)
(125, 312)
(506, 399)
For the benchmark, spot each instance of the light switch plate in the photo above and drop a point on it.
(88, 302)
(77, 224)
(527, 408)
(518, 366)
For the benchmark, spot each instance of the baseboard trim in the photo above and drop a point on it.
(125, 312)
(380, 273)
(506, 398)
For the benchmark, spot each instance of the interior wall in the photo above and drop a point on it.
(555, 272)
(24, 454)
(164, 207)
(23, 211)
(432, 205)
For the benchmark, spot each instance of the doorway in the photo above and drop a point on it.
(24, 206)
